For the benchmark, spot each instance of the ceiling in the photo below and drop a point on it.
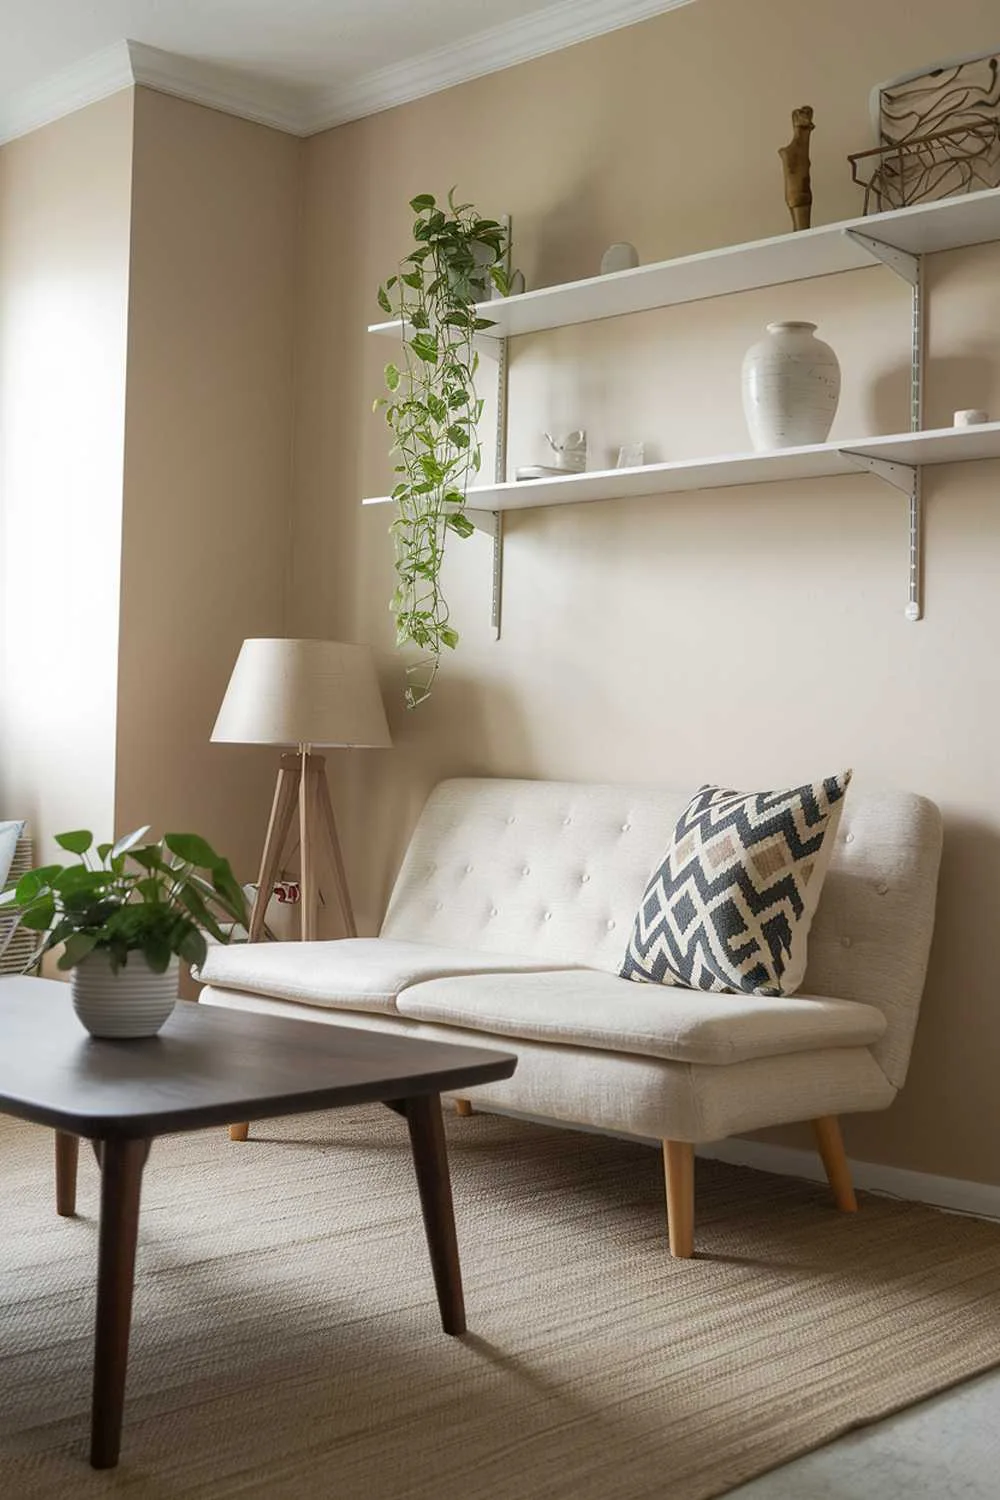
(317, 61)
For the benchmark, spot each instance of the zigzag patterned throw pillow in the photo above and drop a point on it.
(729, 909)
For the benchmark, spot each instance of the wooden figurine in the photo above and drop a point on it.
(795, 160)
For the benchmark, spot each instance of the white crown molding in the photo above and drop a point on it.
(487, 52)
(306, 111)
(282, 106)
(93, 78)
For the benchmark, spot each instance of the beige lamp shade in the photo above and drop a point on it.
(303, 693)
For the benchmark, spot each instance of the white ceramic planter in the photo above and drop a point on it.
(132, 1003)
(791, 386)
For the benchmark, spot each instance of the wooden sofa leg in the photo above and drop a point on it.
(678, 1164)
(463, 1107)
(831, 1150)
(239, 1132)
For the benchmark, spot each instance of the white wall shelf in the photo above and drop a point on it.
(899, 239)
(822, 461)
(924, 229)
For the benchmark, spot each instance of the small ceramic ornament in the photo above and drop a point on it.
(971, 418)
(631, 456)
(538, 471)
(620, 257)
(570, 451)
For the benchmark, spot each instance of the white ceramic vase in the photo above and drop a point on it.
(132, 1003)
(791, 386)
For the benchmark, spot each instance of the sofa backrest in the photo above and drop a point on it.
(556, 870)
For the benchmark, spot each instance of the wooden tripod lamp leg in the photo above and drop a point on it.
(286, 793)
(286, 796)
(336, 858)
(308, 828)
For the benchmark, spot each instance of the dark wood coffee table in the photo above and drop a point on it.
(207, 1067)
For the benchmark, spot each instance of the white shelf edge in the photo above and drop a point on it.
(819, 461)
(923, 228)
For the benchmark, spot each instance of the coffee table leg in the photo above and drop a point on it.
(121, 1180)
(430, 1159)
(67, 1156)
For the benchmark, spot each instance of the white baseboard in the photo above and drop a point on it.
(954, 1194)
(978, 1198)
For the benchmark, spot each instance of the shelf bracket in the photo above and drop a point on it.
(491, 521)
(907, 479)
(901, 262)
(910, 268)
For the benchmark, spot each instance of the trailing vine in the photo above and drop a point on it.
(433, 411)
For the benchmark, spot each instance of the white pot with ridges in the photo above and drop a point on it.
(134, 1002)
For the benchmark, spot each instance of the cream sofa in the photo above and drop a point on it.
(508, 924)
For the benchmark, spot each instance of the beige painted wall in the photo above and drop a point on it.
(748, 635)
(208, 460)
(64, 257)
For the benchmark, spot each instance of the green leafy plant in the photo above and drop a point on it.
(158, 899)
(433, 410)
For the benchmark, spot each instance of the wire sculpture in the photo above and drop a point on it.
(939, 135)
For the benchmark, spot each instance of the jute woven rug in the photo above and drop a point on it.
(286, 1341)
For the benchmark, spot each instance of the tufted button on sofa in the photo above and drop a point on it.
(507, 926)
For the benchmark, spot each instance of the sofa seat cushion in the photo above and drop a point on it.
(587, 1008)
(348, 973)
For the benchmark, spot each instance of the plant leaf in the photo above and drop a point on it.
(77, 947)
(40, 916)
(77, 841)
(193, 947)
(128, 841)
(229, 892)
(193, 849)
(148, 857)
(28, 887)
(157, 953)
(189, 897)
(77, 879)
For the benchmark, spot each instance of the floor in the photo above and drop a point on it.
(947, 1448)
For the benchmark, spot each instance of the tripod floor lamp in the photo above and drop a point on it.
(303, 694)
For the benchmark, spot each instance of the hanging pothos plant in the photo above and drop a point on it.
(433, 410)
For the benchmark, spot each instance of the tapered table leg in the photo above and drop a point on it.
(121, 1180)
(67, 1157)
(430, 1159)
